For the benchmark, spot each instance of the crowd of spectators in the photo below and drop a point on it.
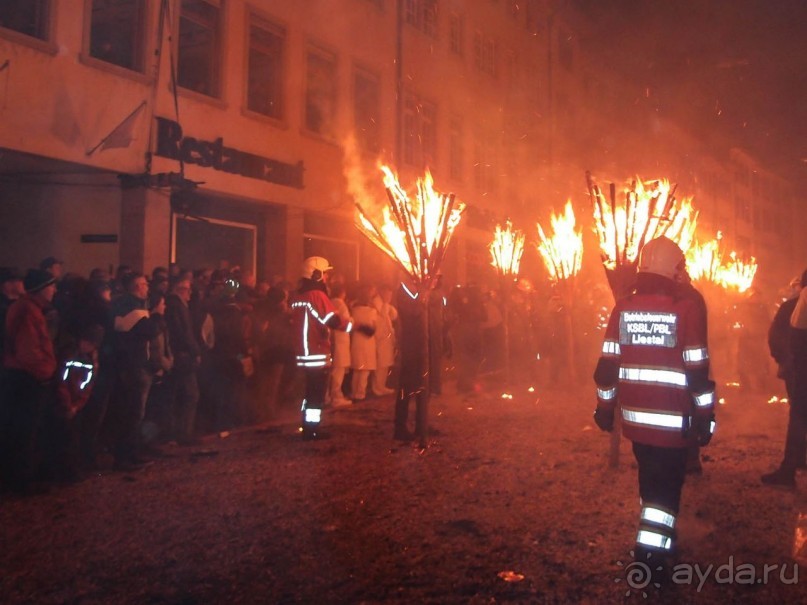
(106, 369)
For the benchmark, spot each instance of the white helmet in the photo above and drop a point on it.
(662, 256)
(314, 267)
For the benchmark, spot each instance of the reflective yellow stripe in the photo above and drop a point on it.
(654, 540)
(409, 292)
(664, 421)
(313, 415)
(611, 347)
(653, 375)
(656, 515)
(694, 355)
(606, 394)
(705, 399)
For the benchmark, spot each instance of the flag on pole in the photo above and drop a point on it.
(121, 135)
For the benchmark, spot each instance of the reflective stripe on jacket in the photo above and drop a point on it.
(311, 313)
(654, 364)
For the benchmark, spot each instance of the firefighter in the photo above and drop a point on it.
(654, 368)
(313, 316)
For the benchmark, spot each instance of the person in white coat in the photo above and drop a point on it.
(341, 349)
(363, 347)
(384, 341)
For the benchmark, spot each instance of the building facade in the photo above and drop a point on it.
(144, 132)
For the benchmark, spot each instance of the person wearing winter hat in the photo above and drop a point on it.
(53, 266)
(29, 364)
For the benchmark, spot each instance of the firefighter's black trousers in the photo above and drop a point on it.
(316, 385)
(661, 474)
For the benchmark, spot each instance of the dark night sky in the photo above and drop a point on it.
(735, 70)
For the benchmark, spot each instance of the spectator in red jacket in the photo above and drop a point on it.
(75, 377)
(30, 363)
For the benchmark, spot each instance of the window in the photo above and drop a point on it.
(116, 32)
(422, 15)
(265, 68)
(199, 46)
(455, 34)
(485, 54)
(320, 93)
(366, 110)
(455, 149)
(29, 17)
(485, 178)
(420, 132)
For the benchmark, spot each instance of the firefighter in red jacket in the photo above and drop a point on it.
(654, 368)
(313, 316)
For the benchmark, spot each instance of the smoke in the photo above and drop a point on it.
(362, 186)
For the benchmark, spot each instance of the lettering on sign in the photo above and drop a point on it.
(171, 143)
(648, 329)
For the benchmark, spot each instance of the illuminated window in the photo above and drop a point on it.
(116, 32)
(420, 132)
(265, 68)
(320, 93)
(199, 46)
(29, 17)
(366, 110)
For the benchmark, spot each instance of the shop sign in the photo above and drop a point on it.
(171, 143)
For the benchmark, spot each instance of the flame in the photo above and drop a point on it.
(738, 274)
(649, 210)
(506, 249)
(563, 252)
(705, 262)
(414, 232)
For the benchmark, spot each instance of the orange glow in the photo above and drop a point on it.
(647, 210)
(704, 260)
(414, 232)
(506, 249)
(738, 274)
(563, 252)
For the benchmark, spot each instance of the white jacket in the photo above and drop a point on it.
(362, 348)
(341, 339)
